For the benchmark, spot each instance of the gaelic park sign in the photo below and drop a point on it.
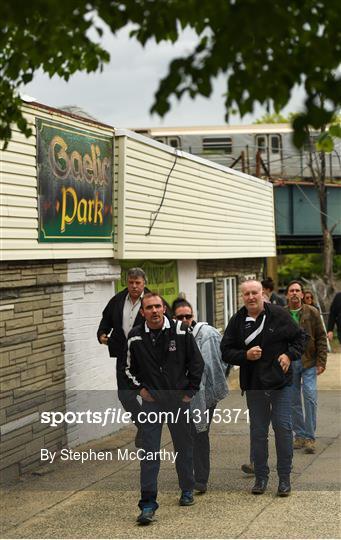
(75, 177)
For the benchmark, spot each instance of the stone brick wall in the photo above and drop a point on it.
(32, 361)
(218, 269)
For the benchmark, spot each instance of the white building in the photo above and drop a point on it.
(198, 228)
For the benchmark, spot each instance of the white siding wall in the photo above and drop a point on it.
(19, 198)
(90, 381)
(208, 211)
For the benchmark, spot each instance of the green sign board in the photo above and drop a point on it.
(75, 179)
(162, 277)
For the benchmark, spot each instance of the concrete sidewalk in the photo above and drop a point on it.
(98, 499)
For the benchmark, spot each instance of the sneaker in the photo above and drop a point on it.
(309, 447)
(200, 487)
(248, 468)
(299, 443)
(146, 517)
(186, 498)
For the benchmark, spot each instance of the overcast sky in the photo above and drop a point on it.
(123, 93)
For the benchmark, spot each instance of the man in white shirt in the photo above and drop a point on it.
(120, 315)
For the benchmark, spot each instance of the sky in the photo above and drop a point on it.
(122, 94)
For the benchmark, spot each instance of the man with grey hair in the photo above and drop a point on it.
(263, 340)
(120, 315)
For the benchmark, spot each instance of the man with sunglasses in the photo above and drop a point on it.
(213, 388)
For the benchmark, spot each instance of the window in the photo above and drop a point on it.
(217, 145)
(261, 143)
(275, 144)
(174, 142)
(230, 298)
(310, 143)
(205, 301)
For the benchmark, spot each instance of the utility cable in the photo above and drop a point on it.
(153, 219)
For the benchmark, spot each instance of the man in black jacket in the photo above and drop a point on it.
(119, 316)
(335, 317)
(165, 366)
(263, 340)
(268, 289)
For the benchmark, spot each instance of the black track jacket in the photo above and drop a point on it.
(112, 321)
(170, 376)
(281, 335)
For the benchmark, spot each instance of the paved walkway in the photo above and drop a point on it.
(98, 499)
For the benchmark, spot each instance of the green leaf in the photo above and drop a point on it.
(265, 47)
(325, 143)
(335, 131)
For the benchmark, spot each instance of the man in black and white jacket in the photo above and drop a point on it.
(165, 366)
(263, 340)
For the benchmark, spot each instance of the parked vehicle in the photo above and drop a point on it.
(258, 149)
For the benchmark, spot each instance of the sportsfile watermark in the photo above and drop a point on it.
(113, 415)
(83, 431)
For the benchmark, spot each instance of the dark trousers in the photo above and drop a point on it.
(275, 406)
(201, 451)
(182, 441)
(127, 397)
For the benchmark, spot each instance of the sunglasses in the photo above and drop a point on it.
(182, 317)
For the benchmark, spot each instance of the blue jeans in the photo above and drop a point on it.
(183, 445)
(275, 406)
(305, 381)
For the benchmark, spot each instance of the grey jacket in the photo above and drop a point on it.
(213, 386)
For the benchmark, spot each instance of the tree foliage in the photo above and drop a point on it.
(272, 118)
(263, 48)
(326, 138)
(306, 266)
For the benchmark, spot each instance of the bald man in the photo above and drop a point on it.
(263, 340)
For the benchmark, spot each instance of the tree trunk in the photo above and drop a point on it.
(319, 179)
(328, 255)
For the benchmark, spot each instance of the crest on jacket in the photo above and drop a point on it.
(172, 345)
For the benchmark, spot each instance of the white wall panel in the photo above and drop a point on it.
(208, 211)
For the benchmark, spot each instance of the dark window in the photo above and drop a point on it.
(310, 143)
(174, 142)
(275, 144)
(261, 144)
(217, 145)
